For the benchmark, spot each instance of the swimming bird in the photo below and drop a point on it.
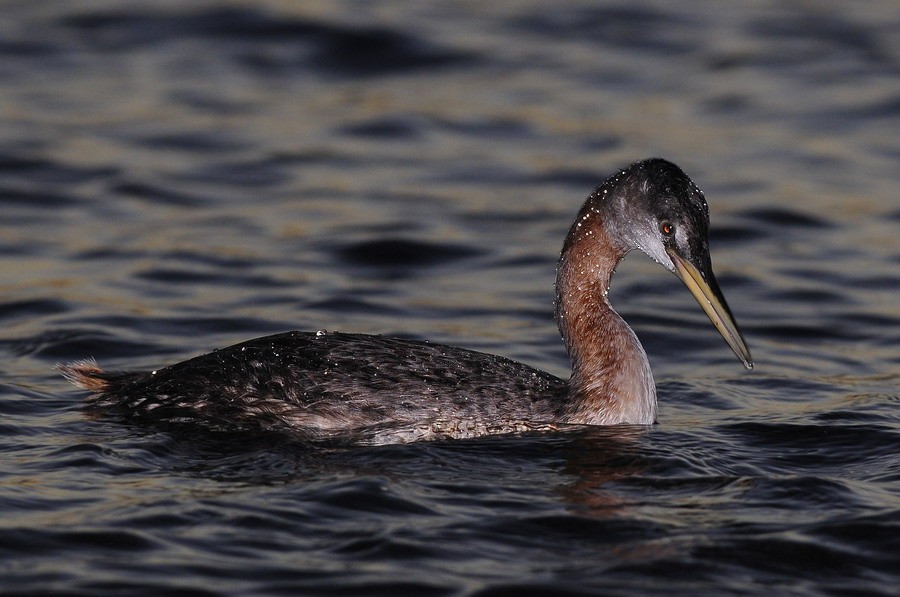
(324, 384)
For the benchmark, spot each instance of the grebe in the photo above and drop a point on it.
(326, 384)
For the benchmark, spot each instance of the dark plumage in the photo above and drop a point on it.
(328, 382)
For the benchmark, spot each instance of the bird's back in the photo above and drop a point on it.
(323, 382)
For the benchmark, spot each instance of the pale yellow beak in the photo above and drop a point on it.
(705, 290)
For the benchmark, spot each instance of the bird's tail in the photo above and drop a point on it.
(86, 374)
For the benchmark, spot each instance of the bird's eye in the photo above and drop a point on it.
(667, 228)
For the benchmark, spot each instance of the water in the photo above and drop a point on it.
(178, 177)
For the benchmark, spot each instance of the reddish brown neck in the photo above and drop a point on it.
(611, 380)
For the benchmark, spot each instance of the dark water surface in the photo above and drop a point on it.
(176, 177)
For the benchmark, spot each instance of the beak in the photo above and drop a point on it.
(705, 289)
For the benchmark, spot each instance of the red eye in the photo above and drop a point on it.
(667, 228)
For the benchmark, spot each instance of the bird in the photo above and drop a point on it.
(331, 384)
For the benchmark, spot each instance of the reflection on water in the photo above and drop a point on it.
(178, 178)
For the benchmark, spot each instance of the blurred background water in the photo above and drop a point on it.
(176, 177)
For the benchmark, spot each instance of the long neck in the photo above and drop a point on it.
(611, 379)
